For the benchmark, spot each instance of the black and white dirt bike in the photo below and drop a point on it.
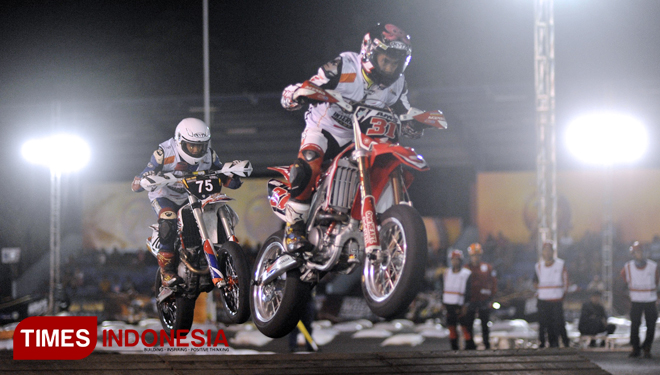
(360, 214)
(208, 252)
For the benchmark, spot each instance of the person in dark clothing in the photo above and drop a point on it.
(593, 319)
(483, 288)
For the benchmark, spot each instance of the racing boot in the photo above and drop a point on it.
(166, 262)
(295, 238)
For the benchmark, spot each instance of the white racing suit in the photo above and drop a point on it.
(328, 128)
(167, 200)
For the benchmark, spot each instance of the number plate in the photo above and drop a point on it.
(202, 187)
(378, 124)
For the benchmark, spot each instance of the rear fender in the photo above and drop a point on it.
(284, 171)
(278, 195)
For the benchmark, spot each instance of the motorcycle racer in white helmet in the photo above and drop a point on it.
(373, 76)
(193, 139)
(188, 151)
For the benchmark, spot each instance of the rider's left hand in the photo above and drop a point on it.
(409, 130)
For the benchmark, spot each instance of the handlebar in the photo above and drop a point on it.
(309, 90)
(241, 168)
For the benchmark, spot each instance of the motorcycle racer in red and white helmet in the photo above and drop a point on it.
(188, 151)
(373, 76)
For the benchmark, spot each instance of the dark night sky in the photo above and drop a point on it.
(95, 50)
(119, 49)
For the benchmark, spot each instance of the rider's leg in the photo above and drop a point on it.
(167, 232)
(304, 173)
(317, 145)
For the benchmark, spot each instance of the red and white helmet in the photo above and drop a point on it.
(456, 254)
(475, 248)
(192, 131)
(390, 40)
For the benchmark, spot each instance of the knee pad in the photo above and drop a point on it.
(305, 171)
(167, 227)
(300, 177)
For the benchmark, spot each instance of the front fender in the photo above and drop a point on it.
(406, 155)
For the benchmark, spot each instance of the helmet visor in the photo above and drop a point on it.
(391, 61)
(194, 149)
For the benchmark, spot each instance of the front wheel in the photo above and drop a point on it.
(277, 306)
(176, 312)
(391, 281)
(235, 295)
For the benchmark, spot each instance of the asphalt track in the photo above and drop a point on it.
(347, 359)
(401, 362)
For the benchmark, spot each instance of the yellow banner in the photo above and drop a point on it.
(506, 203)
(116, 217)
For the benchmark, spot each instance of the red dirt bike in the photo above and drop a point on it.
(360, 214)
(209, 255)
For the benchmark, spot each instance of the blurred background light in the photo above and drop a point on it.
(607, 138)
(59, 152)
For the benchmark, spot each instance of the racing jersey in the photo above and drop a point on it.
(166, 159)
(344, 74)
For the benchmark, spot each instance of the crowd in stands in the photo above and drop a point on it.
(95, 273)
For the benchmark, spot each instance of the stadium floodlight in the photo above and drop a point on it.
(60, 152)
(607, 138)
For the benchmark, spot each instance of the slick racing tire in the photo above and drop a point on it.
(391, 281)
(235, 296)
(277, 306)
(176, 312)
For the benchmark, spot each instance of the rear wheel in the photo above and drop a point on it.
(277, 306)
(236, 294)
(176, 312)
(391, 281)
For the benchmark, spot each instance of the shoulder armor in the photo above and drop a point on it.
(159, 155)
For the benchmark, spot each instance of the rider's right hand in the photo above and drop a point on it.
(135, 185)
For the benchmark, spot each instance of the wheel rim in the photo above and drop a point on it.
(382, 275)
(231, 292)
(267, 298)
(168, 312)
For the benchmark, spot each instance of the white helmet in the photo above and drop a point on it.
(193, 132)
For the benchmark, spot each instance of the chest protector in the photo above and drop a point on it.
(455, 286)
(641, 282)
(551, 280)
(171, 158)
(352, 85)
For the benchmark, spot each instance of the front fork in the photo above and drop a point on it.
(369, 225)
(209, 250)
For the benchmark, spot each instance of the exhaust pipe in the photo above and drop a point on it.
(283, 264)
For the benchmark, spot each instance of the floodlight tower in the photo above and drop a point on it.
(607, 139)
(61, 153)
(546, 158)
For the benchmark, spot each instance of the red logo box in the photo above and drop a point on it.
(55, 337)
